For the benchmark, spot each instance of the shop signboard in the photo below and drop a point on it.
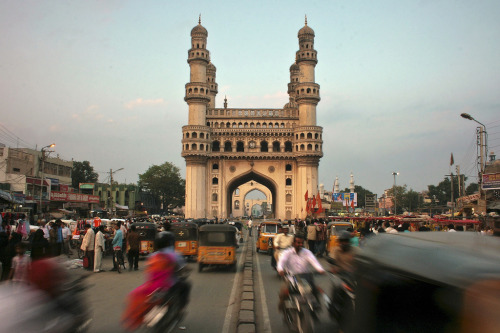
(491, 181)
(73, 197)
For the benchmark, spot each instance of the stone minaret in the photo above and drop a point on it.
(196, 135)
(308, 136)
(351, 184)
(211, 71)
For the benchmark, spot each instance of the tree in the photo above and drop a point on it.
(442, 191)
(164, 182)
(83, 172)
(412, 200)
(472, 188)
(399, 192)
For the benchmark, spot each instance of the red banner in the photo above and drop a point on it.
(73, 197)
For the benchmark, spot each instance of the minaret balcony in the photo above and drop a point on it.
(198, 55)
(197, 91)
(307, 92)
(307, 55)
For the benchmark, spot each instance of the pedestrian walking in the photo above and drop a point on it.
(99, 249)
(133, 248)
(311, 236)
(66, 235)
(117, 249)
(21, 265)
(88, 245)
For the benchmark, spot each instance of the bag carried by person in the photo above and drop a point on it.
(85, 262)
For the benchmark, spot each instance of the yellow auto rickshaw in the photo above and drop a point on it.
(217, 246)
(334, 229)
(147, 234)
(266, 232)
(186, 238)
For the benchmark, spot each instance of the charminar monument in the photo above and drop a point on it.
(232, 151)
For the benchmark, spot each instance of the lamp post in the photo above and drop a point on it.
(42, 175)
(482, 145)
(394, 173)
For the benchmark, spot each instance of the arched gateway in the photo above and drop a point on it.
(227, 148)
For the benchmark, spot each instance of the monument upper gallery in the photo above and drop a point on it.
(232, 151)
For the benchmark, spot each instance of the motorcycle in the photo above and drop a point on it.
(301, 305)
(168, 307)
(342, 303)
(42, 312)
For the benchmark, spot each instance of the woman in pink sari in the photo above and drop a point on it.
(160, 274)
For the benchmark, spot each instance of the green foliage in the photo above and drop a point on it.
(442, 191)
(472, 188)
(164, 182)
(83, 172)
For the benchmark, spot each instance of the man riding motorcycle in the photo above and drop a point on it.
(342, 256)
(297, 260)
(161, 269)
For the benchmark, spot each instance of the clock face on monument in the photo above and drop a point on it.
(252, 144)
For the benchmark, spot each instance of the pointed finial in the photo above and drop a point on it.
(306, 19)
(199, 19)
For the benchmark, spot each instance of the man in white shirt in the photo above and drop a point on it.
(297, 260)
(249, 224)
(66, 235)
(282, 242)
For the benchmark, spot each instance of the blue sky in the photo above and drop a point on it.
(105, 80)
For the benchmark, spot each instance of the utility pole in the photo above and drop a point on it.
(111, 201)
(42, 176)
(452, 196)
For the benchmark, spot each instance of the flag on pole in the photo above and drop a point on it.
(320, 206)
(352, 204)
(306, 196)
(452, 161)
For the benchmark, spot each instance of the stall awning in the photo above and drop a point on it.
(121, 207)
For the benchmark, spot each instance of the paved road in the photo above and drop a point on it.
(268, 283)
(207, 310)
(214, 303)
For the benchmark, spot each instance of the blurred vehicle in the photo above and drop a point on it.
(333, 230)
(301, 304)
(428, 282)
(168, 307)
(147, 234)
(186, 238)
(266, 232)
(217, 246)
(29, 309)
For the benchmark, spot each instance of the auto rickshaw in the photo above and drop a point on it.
(266, 232)
(428, 282)
(334, 229)
(147, 234)
(217, 246)
(186, 238)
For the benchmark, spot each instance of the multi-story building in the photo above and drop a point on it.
(21, 174)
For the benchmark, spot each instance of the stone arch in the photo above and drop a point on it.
(244, 178)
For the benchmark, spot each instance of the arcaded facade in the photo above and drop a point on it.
(228, 148)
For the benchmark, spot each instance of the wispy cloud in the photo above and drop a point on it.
(144, 102)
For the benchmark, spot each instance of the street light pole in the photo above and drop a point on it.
(42, 175)
(394, 173)
(482, 144)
